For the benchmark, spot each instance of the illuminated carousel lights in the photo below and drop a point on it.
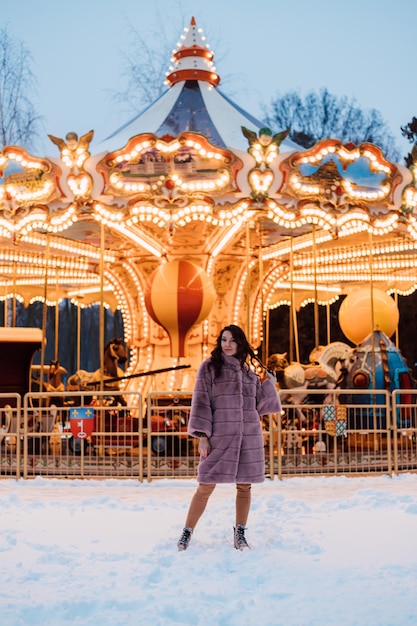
(258, 153)
(133, 154)
(82, 305)
(61, 275)
(305, 188)
(116, 179)
(186, 215)
(80, 185)
(54, 263)
(283, 250)
(137, 239)
(377, 264)
(20, 158)
(71, 248)
(318, 217)
(277, 212)
(24, 196)
(138, 285)
(331, 256)
(321, 302)
(124, 308)
(219, 183)
(27, 281)
(345, 155)
(351, 277)
(282, 302)
(280, 284)
(36, 220)
(410, 198)
(240, 290)
(48, 302)
(402, 292)
(412, 227)
(12, 296)
(377, 228)
(239, 298)
(366, 195)
(257, 335)
(109, 215)
(210, 265)
(225, 239)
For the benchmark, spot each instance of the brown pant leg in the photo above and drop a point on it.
(243, 498)
(198, 504)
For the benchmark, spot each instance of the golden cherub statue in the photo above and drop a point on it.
(73, 151)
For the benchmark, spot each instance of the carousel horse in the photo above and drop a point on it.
(55, 377)
(55, 384)
(322, 372)
(114, 353)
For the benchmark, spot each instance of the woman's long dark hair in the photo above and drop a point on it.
(244, 350)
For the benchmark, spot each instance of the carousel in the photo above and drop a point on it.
(194, 215)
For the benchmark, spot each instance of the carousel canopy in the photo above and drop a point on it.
(192, 103)
(196, 177)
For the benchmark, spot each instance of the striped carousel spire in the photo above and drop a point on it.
(193, 59)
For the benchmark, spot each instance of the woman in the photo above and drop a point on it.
(227, 403)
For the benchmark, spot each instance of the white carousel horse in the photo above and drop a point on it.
(322, 372)
(114, 353)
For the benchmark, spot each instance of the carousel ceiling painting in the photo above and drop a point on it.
(196, 182)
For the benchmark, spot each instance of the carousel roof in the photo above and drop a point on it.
(192, 103)
(196, 177)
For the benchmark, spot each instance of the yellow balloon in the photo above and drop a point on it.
(355, 314)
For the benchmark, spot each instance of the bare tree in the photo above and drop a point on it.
(146, 61)
(19, 121)
(323, 115)
(410, 132)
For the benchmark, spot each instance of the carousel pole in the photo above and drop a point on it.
(14, 296)
(328, 322)
(293, 312)
(248, 325)
(101, 336)
(397, 332)
(56, 319)
(297, 343)
(371, 284)
(101, 318)
(265, 349)
(5, 308)
(267, 322)
(78, 334)
(44, 312)
(316, 304)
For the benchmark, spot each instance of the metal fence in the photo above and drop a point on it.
(323, 432)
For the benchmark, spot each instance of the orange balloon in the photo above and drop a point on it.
(179, 295)
(355, 314)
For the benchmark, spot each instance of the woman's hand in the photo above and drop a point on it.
(203, 447)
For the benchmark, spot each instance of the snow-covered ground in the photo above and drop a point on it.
(325, 551)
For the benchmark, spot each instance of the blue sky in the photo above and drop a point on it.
(362, 48)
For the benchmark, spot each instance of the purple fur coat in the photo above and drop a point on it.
(227, 409)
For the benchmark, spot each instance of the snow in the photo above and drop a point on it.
(325, 550)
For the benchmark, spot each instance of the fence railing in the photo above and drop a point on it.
(123, 435)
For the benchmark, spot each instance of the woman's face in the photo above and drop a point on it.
(229, 345)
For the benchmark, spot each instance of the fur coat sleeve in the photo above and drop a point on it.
(227, 410)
